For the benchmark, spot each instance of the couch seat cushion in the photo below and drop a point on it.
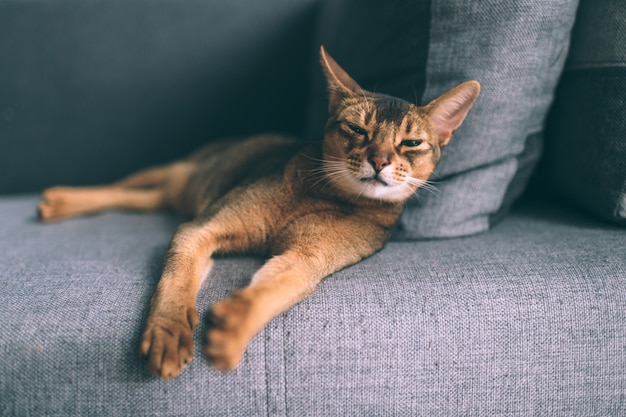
(527, 319)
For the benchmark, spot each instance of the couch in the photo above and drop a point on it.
(512, 304)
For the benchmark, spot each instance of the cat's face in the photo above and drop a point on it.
(382, 147)
(379, 147)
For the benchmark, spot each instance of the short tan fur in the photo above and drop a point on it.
(311, 209)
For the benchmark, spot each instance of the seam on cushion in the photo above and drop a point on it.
(284, 364)
(267, 368)
(275, 378)
(595, 65)
(620, 207)
(525, 166)
(423, 98)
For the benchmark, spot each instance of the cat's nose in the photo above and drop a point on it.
(378, 162)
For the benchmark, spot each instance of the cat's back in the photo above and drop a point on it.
(223, 165)
(231, 150)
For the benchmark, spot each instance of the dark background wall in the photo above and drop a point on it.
(93, 90)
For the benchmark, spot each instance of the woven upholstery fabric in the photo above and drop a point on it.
(421, 49)
(527, 319)
(586, 147)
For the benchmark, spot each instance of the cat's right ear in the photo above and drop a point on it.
(448, 111)
(340, 84)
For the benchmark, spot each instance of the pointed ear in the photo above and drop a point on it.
(339, 83)
(448, 111)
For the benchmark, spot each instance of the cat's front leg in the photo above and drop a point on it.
(167, 341)
(232, 327)
(281, 283)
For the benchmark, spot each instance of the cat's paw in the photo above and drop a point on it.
(167, 342)
(228, 336)
(58, 203)
(51, 204)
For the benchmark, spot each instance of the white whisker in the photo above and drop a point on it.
(423, 184)
(331, 171)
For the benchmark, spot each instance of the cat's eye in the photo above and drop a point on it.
(357, 129)
(411, 143)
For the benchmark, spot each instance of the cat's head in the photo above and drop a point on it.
(382, 147)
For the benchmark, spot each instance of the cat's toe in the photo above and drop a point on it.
(46, 207)
(222, 351)
(52, 204)
(228, 336)
(44, 211)
(168, 346)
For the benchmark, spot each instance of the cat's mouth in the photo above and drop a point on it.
(374, 180)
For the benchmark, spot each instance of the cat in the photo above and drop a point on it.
(311, 209)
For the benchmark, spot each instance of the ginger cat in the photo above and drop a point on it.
(312, 209)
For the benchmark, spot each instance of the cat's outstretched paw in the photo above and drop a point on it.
(58, 203)
(167, 343)
(229, 333)
(53, 204)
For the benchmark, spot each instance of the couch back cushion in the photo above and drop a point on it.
(418, 50)
(91, 91)
(585, 154)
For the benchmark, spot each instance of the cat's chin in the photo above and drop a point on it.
(391, 193)
(375, 189)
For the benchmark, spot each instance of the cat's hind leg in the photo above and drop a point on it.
(151, 177)
(58, 203)
(148, 190)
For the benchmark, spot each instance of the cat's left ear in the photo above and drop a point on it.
(448, 111)
(340, 84)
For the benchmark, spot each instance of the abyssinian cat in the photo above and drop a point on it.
(312, 209)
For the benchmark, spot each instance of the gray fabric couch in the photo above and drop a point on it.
(525, 319)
